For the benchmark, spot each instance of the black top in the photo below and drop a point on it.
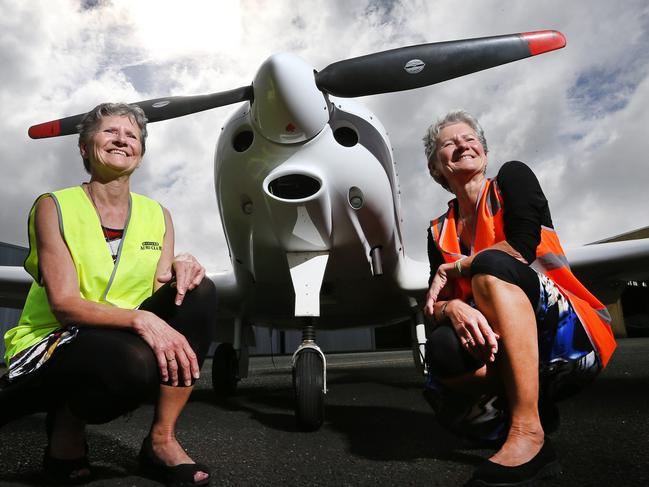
(525, 211)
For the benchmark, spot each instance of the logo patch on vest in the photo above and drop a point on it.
(150, 246)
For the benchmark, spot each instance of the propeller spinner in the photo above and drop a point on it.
(400, 69)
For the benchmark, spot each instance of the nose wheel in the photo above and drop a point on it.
(225, 370)
(309, 382)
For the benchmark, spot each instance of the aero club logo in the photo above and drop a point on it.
(150, 246)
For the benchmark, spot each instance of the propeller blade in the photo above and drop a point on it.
(155, 110)
(426, 64)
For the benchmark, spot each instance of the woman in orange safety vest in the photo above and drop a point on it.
(515, 330)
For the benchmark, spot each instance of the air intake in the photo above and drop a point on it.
(294, 187)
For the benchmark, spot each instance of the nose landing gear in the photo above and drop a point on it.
(309, 382)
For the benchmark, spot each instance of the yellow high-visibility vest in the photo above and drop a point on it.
(125, 283)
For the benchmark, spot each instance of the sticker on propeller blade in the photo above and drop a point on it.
(414, 66)
(160, 104)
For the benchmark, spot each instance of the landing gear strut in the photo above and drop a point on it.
(418, 328)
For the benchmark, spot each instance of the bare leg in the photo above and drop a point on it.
(170, 404)
(510, 314)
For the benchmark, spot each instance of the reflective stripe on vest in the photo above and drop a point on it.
(125, 283)
(550, 260)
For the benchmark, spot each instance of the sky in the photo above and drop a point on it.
(577, 116)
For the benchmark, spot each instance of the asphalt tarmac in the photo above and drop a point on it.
(378, 430)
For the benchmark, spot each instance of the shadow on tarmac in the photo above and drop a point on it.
(378, 430)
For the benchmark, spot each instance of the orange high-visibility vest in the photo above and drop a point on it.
(550, 260)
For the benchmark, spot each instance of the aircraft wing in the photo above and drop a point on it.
(412, 276)
(228, 294)
(15, 283)
(603, 268)
(14, 286)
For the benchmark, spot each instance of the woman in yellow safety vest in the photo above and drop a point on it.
(113, 319)
(515, 330)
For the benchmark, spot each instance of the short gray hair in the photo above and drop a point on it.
(430, 138)
(91, 120)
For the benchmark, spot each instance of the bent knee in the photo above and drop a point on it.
(492, 262)
(485, 284)
(485, 280)
(204, 293)
(135, 368)
(445, 356)
(493, 266)
(494, 269)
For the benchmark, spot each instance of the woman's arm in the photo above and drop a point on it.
(434, 304)
(525, 208)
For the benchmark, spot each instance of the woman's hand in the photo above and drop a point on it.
(470, 325)
(473, 330)
(171, 349)
(440, 279)
(437, 285)
(188, 272)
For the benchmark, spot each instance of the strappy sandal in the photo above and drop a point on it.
(176, 476)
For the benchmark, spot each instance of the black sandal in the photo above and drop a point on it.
(543, 465)
(176, 476)
(66, 471)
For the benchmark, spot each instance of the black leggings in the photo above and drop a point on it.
(106, 372)
(444, 353)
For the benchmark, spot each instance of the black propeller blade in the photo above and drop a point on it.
(426, 64)
(395, 70)
(156, 110)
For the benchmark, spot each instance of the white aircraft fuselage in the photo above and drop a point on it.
(301, 176)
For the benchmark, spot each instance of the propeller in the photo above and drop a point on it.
(426, 64)
(394, 70)
(155, 110)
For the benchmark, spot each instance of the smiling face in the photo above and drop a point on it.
(459, 155)
(115, 147)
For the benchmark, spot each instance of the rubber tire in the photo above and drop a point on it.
(225, 370)
(308, 383)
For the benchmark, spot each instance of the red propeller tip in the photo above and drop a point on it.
(43, 130)
(544, 41)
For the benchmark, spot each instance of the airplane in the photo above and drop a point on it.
(309, 199)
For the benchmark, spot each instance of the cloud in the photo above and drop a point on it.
(577, 116)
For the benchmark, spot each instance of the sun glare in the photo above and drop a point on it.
(168, 28)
